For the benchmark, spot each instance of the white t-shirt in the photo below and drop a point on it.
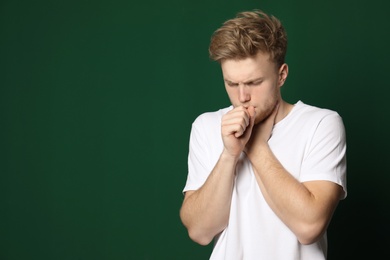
(309, 142)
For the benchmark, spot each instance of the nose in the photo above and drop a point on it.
(244, 93)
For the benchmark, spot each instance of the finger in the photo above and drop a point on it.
(243, 122)
(233, 129)
(252, 116)
(238, 114)
(236, 121)
(240, 117)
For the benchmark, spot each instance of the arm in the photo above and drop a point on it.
(306, 208)
(205, 212)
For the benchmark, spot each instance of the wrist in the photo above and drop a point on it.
(256, 150)
(228, 157)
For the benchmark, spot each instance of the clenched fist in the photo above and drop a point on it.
(236, 129)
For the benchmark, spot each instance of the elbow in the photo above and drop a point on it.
(200, 238)
(310, 233)
(195, 233)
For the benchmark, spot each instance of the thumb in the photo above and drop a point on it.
(252, 114)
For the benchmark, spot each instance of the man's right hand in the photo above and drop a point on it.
(236, 128)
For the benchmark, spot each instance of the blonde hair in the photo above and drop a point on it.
(247, 34)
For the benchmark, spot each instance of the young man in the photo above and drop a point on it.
(264, 176)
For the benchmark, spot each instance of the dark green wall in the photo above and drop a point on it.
(96, 103)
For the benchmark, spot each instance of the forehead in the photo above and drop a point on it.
(257, 66)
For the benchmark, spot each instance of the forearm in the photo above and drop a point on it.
(205, 212)
(305, 213)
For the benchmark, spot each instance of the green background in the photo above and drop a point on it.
(97, 100)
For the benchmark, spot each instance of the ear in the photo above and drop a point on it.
(283, 73)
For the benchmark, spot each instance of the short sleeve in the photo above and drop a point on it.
(198, 166)
(326, 156)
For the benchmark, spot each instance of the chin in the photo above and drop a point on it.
(261, 116)
(259, 119)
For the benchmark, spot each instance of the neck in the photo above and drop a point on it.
(284, 109)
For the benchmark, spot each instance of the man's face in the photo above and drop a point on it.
(254, 82)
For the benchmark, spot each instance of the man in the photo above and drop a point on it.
(264, 176)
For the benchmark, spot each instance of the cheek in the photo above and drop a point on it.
(267, 95)
(261, 96)
(232, 94)
(266, 101)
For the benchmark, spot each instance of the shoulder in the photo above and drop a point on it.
(311, 119)
(315, 114)
(210, 119)
(310, 110)
(320, 124)
(207, 126)
(206, 132)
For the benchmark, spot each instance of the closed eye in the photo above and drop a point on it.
(231, 84)
(254, 83)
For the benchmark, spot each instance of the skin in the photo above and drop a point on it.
(253, 86)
